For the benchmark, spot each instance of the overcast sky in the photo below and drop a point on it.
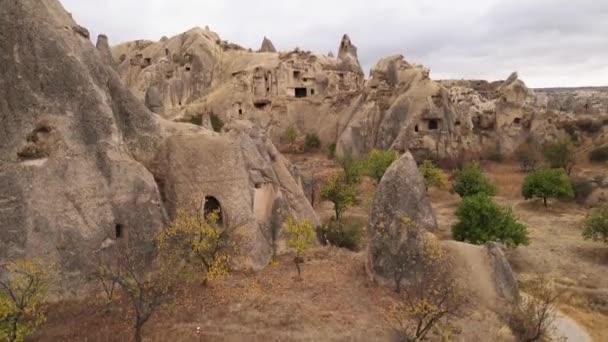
(549, 42)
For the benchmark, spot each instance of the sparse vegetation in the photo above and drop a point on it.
(596, 224)
(342, 234)
(340, 193)
(352, 169)
(470, 181)
(331, 151)
(582, 187)
(291, 135)
(196, 119)
(481, 220)
(377, 162)
(432, 293)
(433, 176)
(532, 318)
(528, 155)
(547, 183)
(312, 142)
(23, 285)
(216, 123)
(560, 154)
(599, 155)
(301, 237)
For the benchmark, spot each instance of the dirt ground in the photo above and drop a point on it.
(336, 301)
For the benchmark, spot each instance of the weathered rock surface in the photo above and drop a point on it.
(82, 159)
(267, 46)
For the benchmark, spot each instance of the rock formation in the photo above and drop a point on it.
(267, 46)
(484, 270)
(83, 162)
(104, 50)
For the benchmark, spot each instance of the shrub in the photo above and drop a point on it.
(352, 169)
(197, 120)
(582, 187)
(599, 155)
(596, 224)
(560, 154)
(378, 161)
(23, 286)
(216, 123)
(528, 155)
(471, 181)
(291, 135)
(301, 237)
(342, 234)
(547, 183)
(331, 150)
(433, 176)
(340, 193)
(312, 141)
(481, 220)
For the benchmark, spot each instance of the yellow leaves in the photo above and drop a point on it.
(199, 241)
(301, 235)
(22, 293)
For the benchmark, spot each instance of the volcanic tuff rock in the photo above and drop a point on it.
(267, 46)
(197, 74)
(83, 162)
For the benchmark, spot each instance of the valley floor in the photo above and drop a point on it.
(336, 301)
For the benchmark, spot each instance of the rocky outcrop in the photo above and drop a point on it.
(84, 163)
(267, 46)
(104, 50)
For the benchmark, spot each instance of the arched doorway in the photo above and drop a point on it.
(212, 205)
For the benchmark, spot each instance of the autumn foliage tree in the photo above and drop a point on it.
(338, 191)
(23, 286)
(301, 236)
(532, 318)
(432, 291)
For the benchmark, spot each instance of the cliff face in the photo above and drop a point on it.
(83, 163)
(197, 75)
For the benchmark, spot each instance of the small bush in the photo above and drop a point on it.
(599, 155)
(560, 154)
(331, 151)
(377, 162)
(481, 220)
(341, 234)
(433, 176)
(216, 123)
(471, 181)
(291, 135)
(197, 120)
(312, 142)
(532, 318)
(547, 183)
(596, 224)
(582, 187)
(352, 169)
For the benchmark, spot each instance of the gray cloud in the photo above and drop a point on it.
(550, 42)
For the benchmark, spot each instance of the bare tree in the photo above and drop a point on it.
(432, 292)
(532, 319)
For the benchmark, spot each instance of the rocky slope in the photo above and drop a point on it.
(84, 163)
(197, 75)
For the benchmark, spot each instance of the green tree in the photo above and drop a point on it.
(301, 238)
(547, 183)
(340, 193)
(433, 176)
(377, 162)
(23, 285)
(560, 154)
(470, 181)
(481, 220)
(596, 224)
(352, 169)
